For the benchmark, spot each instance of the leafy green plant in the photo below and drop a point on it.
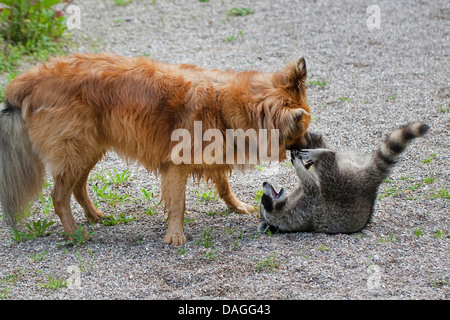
(269, 263)
(211, 254)
(119, 178)
(84, 266)
(206, 195)
(38, 257)
(234, 12)
(322, 248)
(112, 221)
(47, 205)
(34, 25)
(389, 238)
(230, 38)
(428, 159)
(79, 237)
(418, 233)
(318, 83)
(35, 229)
(392, 192)
(18, 236)
(429, 180)
(206, 239)
(54, 283)
(442, 234)
(272, 234)
(392, 98)
(260, 167)
(258, 197)
(442, 193)
(150, 197)
(109, 196)
(122, 2)
(444, 109)
(38, 228)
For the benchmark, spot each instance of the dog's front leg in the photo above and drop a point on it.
(222, 185)
(173, 192)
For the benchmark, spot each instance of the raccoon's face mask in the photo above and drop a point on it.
(271, 201)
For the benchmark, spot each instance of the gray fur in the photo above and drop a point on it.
(21, 170)
(339, 196)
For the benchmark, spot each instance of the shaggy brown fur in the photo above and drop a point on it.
(77, 107)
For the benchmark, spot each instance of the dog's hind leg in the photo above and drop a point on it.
(173, 189)
(80, 193)
(61, 194)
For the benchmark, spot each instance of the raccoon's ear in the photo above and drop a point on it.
(292, 76)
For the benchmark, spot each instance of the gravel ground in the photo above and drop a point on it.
(366, 83)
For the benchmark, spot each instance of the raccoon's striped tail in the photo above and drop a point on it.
(21, 170)
(388, 153)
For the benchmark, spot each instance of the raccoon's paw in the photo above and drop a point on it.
(263, 226)
(296, 158)
(312, 155)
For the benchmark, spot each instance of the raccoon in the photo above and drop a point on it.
(339, 196)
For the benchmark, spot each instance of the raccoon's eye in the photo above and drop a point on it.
(279, 205)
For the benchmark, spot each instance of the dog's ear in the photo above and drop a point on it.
(299, 125)
(292, 76)
(300, 117)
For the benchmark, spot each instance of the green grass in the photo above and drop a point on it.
(442, 193)
(442, 234)
(318, 83)
(111, 220)
(234, 12)
(269, 263)
(386, 239)
(428, 159)
(122, 2)
(444, 109)
(418, 233)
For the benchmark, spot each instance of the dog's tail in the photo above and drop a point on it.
(21, 169)
(386, 156)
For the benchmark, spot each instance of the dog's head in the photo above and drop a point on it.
(287, 106)
(271, 203)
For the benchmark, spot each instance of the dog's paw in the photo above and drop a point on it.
(243, 208)
(175, 239)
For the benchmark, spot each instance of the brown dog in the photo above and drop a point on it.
(67, 112)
